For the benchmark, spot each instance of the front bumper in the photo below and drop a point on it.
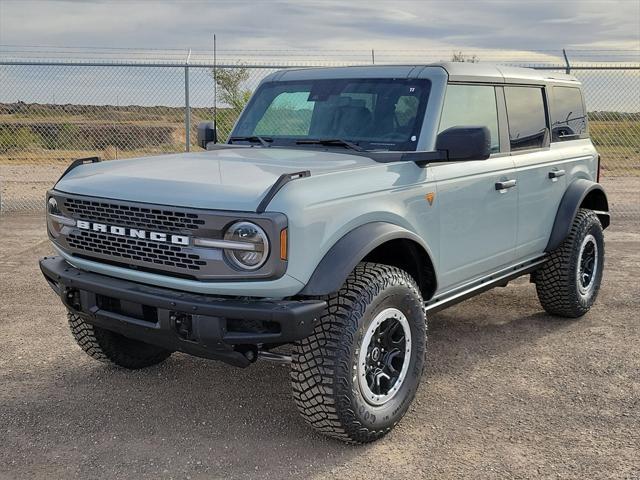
(200, 325)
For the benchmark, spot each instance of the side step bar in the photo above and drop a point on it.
(274, 357)
(482, 285)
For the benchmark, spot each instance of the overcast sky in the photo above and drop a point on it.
(401, 31)
(438, 25)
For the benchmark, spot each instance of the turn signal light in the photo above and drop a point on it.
(283, 244)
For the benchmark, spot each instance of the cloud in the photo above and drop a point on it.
(484, 26)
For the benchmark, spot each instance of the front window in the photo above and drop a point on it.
(471, 105)
(374, 114)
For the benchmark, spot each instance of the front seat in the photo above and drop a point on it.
(352, 120)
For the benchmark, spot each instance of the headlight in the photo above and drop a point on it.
(52, 207)
(56, 221)
(252, 245)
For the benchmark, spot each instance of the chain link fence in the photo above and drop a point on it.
(54, 112)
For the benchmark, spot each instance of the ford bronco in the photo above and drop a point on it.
(346, 205)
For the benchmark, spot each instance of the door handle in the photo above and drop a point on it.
(506, 184)
(556, 174)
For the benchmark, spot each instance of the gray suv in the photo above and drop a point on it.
(345, 207)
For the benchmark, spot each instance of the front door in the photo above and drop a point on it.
(477, 200)
(478, 219)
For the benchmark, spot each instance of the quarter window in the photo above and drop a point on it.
(527, 117)
(568, 118)
(471, 105)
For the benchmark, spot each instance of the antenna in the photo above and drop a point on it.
(215, 84)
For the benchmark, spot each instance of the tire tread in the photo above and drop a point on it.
(321, 362)
(555, 280)
(104, 346)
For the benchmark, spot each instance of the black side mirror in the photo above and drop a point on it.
(465, 143)
(207, 134)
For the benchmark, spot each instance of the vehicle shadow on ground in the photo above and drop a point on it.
(207, 417)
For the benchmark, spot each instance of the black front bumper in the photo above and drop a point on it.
(210, 327)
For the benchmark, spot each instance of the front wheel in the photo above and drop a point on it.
(356, 375)
(569, 281)
(110, 347)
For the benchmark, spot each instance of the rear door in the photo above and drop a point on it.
(540, 173)
(478, 219)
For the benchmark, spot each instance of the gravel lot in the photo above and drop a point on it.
(509, 392)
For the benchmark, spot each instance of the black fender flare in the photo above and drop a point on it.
(336, 265)
(572, 200)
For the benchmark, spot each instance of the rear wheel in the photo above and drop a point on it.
(356, 375)
(109, 347)
(568, 283)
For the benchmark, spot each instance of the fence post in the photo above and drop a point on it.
(187, 106)
(567, 69)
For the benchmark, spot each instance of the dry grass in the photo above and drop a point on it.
(37, 142)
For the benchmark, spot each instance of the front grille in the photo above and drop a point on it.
(134, 249)
(110, 244)
(133, 216)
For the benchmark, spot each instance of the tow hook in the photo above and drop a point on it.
(183, 323)
(250, 352)
(72, 298)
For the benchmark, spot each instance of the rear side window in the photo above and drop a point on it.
(568, 118)
(527, 118)
(471, 105)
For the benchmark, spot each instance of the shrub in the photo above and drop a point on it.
(18, 138)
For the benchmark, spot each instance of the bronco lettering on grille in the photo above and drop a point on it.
(133, 232)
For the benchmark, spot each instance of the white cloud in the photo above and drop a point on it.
(487, 27)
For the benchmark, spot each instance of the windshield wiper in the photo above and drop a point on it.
(265, 142)
(331, 141)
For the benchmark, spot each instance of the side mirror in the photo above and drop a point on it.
(207, 134)
(465, 143)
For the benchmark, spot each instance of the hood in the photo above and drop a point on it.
(224, 179)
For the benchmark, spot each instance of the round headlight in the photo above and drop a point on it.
(252, 247)
(54, 218)
(52, 206)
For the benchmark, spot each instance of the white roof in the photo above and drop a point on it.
(456, 71)
(469, 72)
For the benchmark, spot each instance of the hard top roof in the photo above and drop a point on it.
(456, 71)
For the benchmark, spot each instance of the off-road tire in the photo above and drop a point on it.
(557, 280)
(325, 387)
(109, 347)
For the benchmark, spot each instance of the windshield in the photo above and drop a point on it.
(373, 114)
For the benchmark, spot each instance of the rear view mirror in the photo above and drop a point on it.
(207, 134)
(465, 143)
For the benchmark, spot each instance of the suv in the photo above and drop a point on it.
(346, 206)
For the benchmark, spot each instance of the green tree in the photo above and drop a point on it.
(231, 87)
(232, 94)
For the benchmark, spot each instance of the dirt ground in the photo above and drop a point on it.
(509, 393)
